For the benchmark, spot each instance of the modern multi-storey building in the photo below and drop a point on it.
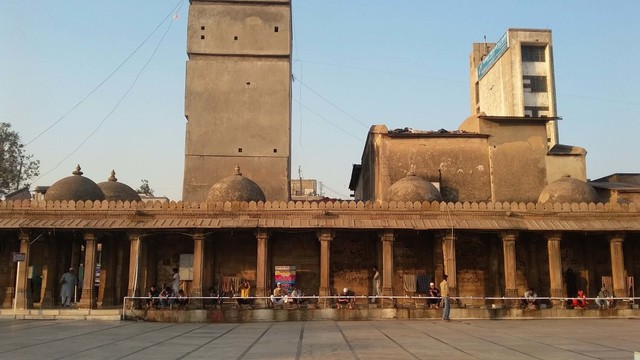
(514, 77)
(238, 95)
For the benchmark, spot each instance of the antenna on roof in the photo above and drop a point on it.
(486, 48)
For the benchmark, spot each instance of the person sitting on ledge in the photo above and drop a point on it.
(152, 301)
(279, 296)
(183, 300)
(346, 298)
(580, 301)
(530, 300)
(296, 296)
(604, 299)
(434, 296)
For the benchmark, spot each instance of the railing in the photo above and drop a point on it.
(330, 298)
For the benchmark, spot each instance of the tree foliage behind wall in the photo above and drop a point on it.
(16, 167)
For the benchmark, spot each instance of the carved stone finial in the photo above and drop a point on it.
(77, 172)
(238, 170)
(412, 170)
(113, 176)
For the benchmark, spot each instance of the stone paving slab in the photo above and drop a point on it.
(393, 339)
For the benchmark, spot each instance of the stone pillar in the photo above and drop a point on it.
(617, 266)
(262, 288)
(107, 289)
(134, 265)
(198, 268)
(325, 237)
(88, 300)
(49, 274)
(509, 249)
(387, 238)
(555, 268)
(449, 256)
(120, 271)
(23, 296)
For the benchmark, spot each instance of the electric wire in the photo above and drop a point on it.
(334, 191)
(332, 104)
(117, 105)
(329, 121)
(175, 8)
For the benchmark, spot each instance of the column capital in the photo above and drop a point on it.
(387, 235)
(134, 235)
(198, 235)
(446, 235)
(89, 236)
(553, 236)
(509, 235)
(262, 234)
(617, 237)
(325, 234)
(24, 236)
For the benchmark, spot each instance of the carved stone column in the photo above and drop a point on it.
(617, 266)
(262, 289)
(134, 264)
(387, 237)
(50, 274)
(23, 295)
(555, 268)
(88, 299)
(121, 271)
(509, 249)
(198, 267)
(449, 256)
(325, 237)
(107, 288)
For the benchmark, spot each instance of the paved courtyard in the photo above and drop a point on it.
(413, 339)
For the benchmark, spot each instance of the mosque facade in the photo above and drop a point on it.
(495, 205)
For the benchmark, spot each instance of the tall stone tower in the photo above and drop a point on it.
(238, 95)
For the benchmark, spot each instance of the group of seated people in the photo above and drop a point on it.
(281, 296)
(166, 298)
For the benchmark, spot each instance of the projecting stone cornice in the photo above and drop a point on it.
(173, 206)
(347, 215)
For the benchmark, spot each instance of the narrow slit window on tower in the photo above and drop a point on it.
(275, 29)
(235, 38)
(239, 150)
(201, 37)
(275, 151)
(248, 83)
(202, 27)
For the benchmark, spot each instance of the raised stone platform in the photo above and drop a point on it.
(261, 315)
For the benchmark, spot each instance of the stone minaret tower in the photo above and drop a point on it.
(238, 95)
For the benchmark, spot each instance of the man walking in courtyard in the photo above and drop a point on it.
(68, 282)
(444, 292)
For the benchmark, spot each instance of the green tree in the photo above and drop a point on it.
(16, 167)
(145, 188)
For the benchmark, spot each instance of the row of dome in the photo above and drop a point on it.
(239, 188)
(564, 190)
(79, 188)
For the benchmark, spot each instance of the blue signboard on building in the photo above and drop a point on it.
(501, 46)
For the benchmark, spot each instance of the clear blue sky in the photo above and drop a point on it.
(358, 62)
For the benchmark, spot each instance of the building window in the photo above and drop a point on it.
(536, 111)
(533, 53)
(534, 84)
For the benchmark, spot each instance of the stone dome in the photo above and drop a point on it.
(568, 190)
(114, 190)
(235, 188)
(413, 188)
(75, 187)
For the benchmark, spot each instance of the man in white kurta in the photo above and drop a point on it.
(68, 282)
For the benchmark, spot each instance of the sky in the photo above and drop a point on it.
(92, 83)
